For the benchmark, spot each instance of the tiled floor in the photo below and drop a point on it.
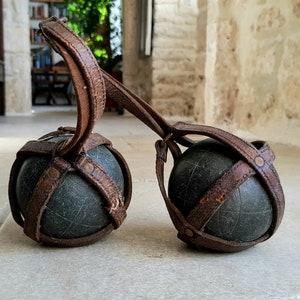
(143, 259)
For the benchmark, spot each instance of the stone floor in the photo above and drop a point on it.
(143, 259)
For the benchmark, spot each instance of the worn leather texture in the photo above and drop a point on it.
(255, 159)
(91, 85)
(70, 151)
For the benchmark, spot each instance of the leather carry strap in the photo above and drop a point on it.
(139, 108)
(135, 105)
(86, 77)
(90, 90)
(87, 71)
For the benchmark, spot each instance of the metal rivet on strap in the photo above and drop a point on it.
(88, 168)
(53, 173)
(188, 232)
(259, 161)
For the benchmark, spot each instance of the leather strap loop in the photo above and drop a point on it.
(139, 108)
(86, 76)
(88, 81)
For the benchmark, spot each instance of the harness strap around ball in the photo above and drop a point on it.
(89, 88)
(218, 193)
(188, 228)
(259, 160)
(48, 182)
(91, 170)
(42, 192)
(186, 231)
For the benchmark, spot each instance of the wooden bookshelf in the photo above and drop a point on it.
(42, 57)
(49, 74)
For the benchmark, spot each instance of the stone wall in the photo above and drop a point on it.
(17, 56)
(252, 68)
(232, 64)
(174, 56)
(200, 62)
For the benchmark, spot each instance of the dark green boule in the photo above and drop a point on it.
(76, 208)
(244, 216)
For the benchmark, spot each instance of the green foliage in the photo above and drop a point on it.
(86, 15)
(90, 20)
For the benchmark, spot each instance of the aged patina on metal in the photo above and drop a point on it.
(222, 177)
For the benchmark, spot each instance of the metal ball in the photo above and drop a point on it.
(244, 216)
(76, 208)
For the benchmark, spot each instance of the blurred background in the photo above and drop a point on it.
(232, 64)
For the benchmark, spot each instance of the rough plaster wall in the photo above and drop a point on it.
(17, 56)
(222, 63)
(253, 69)
(174, 56)
(199, 106)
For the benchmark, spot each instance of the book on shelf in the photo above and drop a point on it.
(34, 37)
(59, 11)
(38, 10)
(41, 58)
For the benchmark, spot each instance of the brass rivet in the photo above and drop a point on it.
(188, 232)
(53, 173)
(88, 168)
(259, 161)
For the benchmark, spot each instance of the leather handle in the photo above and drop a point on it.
(86, 77)
(139, 108)
(135, 105)
(90, 90)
